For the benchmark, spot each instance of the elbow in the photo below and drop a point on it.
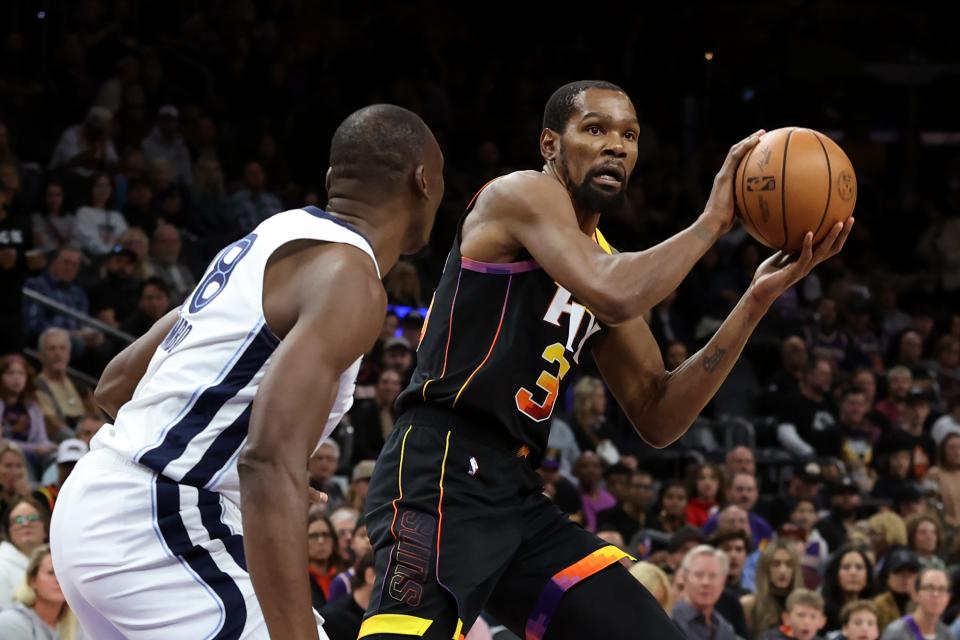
(611, 308)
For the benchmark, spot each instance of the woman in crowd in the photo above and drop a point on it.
(703, 493)
(923, 537)
(24, 528)
(13, 475)
(99, 227)
(21, 416)
(778, 574)
(671, 514)
(54, 225)
(656, 582)
(325, 561)
(897, 583)
(848, 577)
(887, 532)
(40, 610)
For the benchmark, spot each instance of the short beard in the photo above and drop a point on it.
(589, 198)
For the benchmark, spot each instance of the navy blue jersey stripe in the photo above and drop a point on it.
(203, 411)
(220, 451)
(233, 608)
(320, 213)
(211, 514)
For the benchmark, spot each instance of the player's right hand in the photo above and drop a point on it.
(719, 211)
(317, 497)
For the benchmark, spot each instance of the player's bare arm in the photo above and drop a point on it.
(340, 305)
(662, 404)
(122, 375)
(534, 211)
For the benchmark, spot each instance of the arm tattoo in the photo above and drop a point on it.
(710, 362)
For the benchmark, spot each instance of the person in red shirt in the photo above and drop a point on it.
(703, 487)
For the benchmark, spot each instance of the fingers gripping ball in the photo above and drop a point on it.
(794, 181)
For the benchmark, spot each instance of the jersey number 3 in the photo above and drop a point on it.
(548, 382)
(219, 274)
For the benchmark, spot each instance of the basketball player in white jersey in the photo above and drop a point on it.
(220, 405)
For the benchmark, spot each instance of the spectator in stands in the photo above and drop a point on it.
(704, 573)
(59, 284)
(138, 210)
(24, 529)
(946, 365)
(909, 351)
(564, 442)
(54, 225)
(923, 536)
(153, 304)
(680, 543)
(845, 500)
(359, 547)
(588, 471)
(786, 380)
(60, 400)
(667, 325)
(826, 338)
(344, 521)
(114, 298)
(807, 417)
(360, 484)
(373, 418)
(588, 419)
(858, 621)
(135, 239)
(865, 341)
(616, 480)
(675, 354)
(165, 263)
(325, 560)
(398, 356)
(946, 477)
(742, 491)
(740, 459)
(866, 380)
(656, 582)
(805, 484)
(802, 618)
(40, 609)
(899, 381)
(931, 597)
(342, 618)
(165, 142)
(898, 578)
(895, 464)
(949, 422)
(887, 532)
(88, 427)
(671, 515)
(87, 147)
(736, 543)
(321, 467)
(816, 551)
(403, 285)
(13, 475)
(855, 437)
(847, 577)
(99, 227)
(69, 453)
(913, 421)
(558, 488)
(22, 418)
(252, 204)
(703, 492)
(631, 513)
(778, 574)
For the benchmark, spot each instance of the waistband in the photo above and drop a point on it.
(104, 457)
(477, 428)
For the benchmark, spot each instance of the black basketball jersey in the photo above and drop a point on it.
(499, 344)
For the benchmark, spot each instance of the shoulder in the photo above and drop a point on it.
(525, 191)
(16, 620)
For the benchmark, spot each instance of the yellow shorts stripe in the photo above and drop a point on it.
(398, 623)
(456, 634)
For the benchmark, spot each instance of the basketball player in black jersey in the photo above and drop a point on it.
(530, 288)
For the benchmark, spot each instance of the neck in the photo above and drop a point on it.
(927, 622)
(320, 565)
(634, 511)
(362, 596)
(48, 611)
(810, 392)
(588, 219)
(705, 610)
(54, 374)
(386, 236)
(10, 398)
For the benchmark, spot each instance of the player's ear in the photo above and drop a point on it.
(549, 144)
(327, 179)
(421, 187)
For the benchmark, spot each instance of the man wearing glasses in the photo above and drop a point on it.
(932, 597)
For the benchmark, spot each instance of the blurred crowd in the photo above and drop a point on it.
(818, 494)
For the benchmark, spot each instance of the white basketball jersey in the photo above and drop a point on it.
(189, 415)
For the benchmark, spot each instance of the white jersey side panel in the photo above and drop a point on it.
(189, 415)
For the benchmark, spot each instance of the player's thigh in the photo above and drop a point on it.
(610, 604)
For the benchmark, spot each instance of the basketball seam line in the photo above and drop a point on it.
(783, 191)
(743, 195)
(826, 207)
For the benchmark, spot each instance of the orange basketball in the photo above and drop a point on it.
(794, 181)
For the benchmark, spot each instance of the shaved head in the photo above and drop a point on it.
(379, 146)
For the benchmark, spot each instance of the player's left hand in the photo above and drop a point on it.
(781, 271)
(317, 497)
